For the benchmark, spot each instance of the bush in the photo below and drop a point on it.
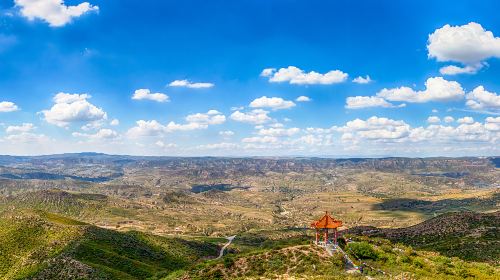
(362, 250)
(338, 260)
(342, 243)
(228, 262)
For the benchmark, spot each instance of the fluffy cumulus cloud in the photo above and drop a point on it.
(455, 70)
(384, 135)
(436, 89)
(465, 132)
(25, 127)
(433, 119)
(188, 84)
(468, 44)
(449, 119)
(275, 103)
(376, 128)
(295, 75)
(492, 124)
(465, 120)
(257, 116)
(211, 117)
(27, 137)
(303, 98)
(73, 108)
(7, 106)
(362, 80)
(144, 93)
(23, 134)
(193, 122)
(482, 99)
(54, 12)
(359, 102)
(146, 128)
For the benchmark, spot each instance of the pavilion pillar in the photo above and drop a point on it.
(326, 235)
(317, 236)
(335, 237)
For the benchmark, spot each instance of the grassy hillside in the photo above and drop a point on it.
(380, 258)
(48, 246)
(468, 235)
(58, 201)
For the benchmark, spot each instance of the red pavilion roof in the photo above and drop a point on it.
(326, 222)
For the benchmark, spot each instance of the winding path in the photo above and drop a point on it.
(229, 240)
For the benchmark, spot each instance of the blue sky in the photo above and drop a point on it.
(218, 78)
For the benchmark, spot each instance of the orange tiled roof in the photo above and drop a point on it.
(326, 222)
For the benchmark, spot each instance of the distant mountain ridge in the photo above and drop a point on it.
(274, 163)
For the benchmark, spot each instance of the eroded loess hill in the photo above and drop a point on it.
(40, 245)
(468, 235)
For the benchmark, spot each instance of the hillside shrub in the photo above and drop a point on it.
(342, 243)
(362, 250)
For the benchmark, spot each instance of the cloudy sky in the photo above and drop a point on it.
(256, 77)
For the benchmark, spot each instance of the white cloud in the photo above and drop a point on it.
(455, 70)
(93, 125)
(358, 102)
(261, 140)
(274, 103)
(188, 84)
(54, 12)
(449, 119)
(146, 128)
(465, 120)
(69, 108)
(480, 98)
(172, 126)
(145, 93)
(268, 72)
(218, 146)
(226, 133)
(436, 89)
(376, 128)
(303, 98)
(211, 117)
(278, 132)
(294, 75)
(257, 116)
(6, 106)
(26, 137)
(114, 122)
(101, 134)
(194, 122)
(433, 119)
(467, 44)
(492, 124)
(25, 127)
(362, 80)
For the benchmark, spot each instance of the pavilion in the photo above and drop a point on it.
(325, 224)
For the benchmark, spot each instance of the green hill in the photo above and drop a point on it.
(468, 235)
(39, 245)
(58, 201)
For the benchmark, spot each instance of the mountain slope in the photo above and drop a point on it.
(40, 245)
(468, 235)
